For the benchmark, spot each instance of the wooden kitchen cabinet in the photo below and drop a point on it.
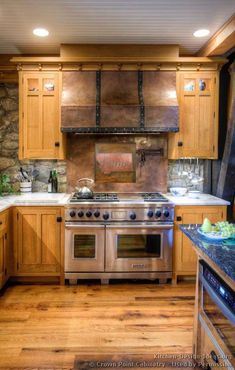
(184, 257)
(198, 129)
(37, 241)
(4, 248)
(39, 129)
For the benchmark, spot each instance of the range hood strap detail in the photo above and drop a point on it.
(141, 98)
(98, 83)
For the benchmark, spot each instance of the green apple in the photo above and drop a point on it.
(206, 226)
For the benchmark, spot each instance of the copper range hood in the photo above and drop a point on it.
(119, 102)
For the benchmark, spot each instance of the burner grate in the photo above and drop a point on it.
(97, 197)
(154, 197)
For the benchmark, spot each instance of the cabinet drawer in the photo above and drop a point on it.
(212, 357)
(3, 220)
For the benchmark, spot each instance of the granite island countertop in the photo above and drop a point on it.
(220, 253)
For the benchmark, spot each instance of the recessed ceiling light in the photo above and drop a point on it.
(201, 33)
(41, 32)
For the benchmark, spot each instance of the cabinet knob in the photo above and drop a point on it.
(214, 357)
(178, 218)
(0, 222)
(57, 143)
(180, 143)
(59, 219)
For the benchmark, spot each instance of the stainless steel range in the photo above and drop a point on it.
(119, 236)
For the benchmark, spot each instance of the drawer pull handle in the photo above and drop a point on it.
(180, 143)
(214, 357)
(57, 143)
(178, 218)
(137, 265)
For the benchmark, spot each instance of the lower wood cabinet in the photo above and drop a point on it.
(5, 255)
(37, 241)
(184, 256)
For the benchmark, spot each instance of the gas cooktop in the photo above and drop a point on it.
(97, 197)
(114, 197)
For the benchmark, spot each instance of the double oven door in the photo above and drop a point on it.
(138, 247)
(84, 248)
(117, 248)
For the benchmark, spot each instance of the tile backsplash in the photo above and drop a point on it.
(181, 173)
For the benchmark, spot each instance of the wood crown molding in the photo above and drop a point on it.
(118, 63)
(117, 57)
(221, 42)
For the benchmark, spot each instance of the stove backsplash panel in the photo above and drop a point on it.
(151, 167)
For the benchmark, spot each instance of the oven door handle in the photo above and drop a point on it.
(72, 226)
(136, 226)
(217, 300)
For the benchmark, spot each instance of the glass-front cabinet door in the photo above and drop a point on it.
(84, 249)
(138, 249)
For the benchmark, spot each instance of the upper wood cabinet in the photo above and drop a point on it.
(198, 130)
(40, 136)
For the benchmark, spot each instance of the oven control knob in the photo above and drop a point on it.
(150, 213)
(88, 214)
(80, 214)
(132, 216)
(158, 213)
(166, 213)
(72, 213)
(105, 216)
(97, 213)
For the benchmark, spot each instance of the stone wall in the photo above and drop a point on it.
(9, 143)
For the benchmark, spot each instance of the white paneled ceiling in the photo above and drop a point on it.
(108, 21)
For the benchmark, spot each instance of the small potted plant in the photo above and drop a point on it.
(5, 185)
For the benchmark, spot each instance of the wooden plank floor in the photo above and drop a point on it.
(47, 326)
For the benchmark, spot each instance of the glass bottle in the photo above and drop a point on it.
(54, 182)
(50, 182)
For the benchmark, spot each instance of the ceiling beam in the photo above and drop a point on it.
(221, 42)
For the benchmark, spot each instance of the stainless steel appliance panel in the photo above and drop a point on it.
(84, 248)
(138, 248)
(217, 305)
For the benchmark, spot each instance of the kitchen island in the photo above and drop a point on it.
(214, 320)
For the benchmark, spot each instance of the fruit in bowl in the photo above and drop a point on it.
(224, 228)
(206, 226)
(220, 230)
(178, 191)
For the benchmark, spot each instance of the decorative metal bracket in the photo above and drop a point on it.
(148, 152)
(141, 98)
(98, 82)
